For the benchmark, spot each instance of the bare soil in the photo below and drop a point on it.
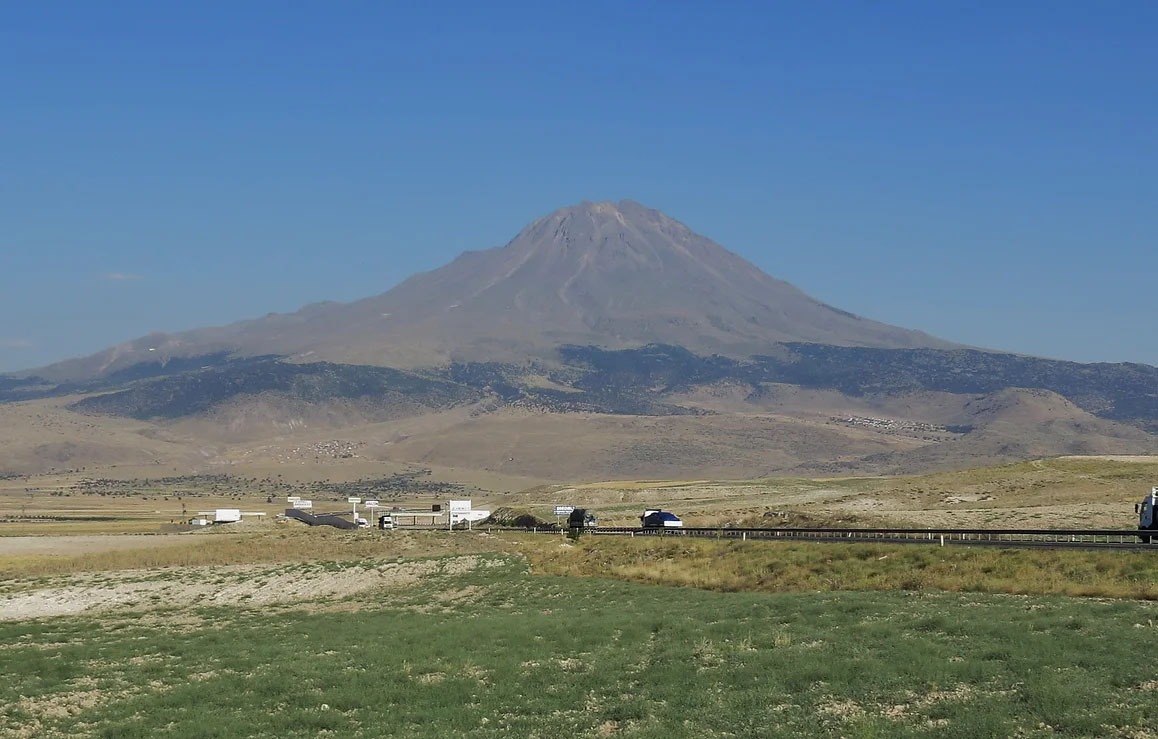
(67, 546)
(245, 585)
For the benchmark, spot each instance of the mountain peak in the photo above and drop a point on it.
(609, 274)
(617, 275)
(606, 230)
(622, 211)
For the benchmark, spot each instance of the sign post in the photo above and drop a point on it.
(355, 501)
(457, 506)
(372, 505)
(563, 510)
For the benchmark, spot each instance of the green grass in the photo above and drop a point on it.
(499, 652)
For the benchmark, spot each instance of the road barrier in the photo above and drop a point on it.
(1055, 538)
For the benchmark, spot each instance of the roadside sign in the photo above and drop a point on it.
(563, 510)
(353, 500)
(302, 504)
(291, 498)
(370, 503)
(459, 506)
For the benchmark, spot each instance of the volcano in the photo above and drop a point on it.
(605, 340)
(610, 275)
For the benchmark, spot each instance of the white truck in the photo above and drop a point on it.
(1147, 512)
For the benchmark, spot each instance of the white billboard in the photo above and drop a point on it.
(473, 515)
(459, 506)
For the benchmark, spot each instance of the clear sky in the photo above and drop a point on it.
(986, 172)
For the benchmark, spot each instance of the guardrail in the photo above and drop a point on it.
(942, 537)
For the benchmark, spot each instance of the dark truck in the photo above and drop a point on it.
(1147, 512)
(581, 518)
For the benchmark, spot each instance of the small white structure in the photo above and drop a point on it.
(471, 516)
(227, 515)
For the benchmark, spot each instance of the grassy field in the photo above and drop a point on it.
(497, 651)
(726, 566)
(280, 630)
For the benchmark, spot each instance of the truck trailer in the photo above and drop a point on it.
(654, 518)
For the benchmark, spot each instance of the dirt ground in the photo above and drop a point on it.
(244, 585)
(67, 546)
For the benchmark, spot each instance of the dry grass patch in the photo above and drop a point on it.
(803, 567)
(1066, 492)
(288, 543)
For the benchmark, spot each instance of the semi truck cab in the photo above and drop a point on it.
(1148, 515)
(581, 518)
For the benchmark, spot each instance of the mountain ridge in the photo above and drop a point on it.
(639, 412)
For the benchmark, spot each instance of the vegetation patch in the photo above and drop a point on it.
(383, 391)
(518, 518)
(537, 656)
(809, 567)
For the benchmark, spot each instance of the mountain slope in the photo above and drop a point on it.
(604, 339)
(614, 275)
(1016, 424)
(658, 411)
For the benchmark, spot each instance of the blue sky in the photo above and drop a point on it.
(986, 172)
